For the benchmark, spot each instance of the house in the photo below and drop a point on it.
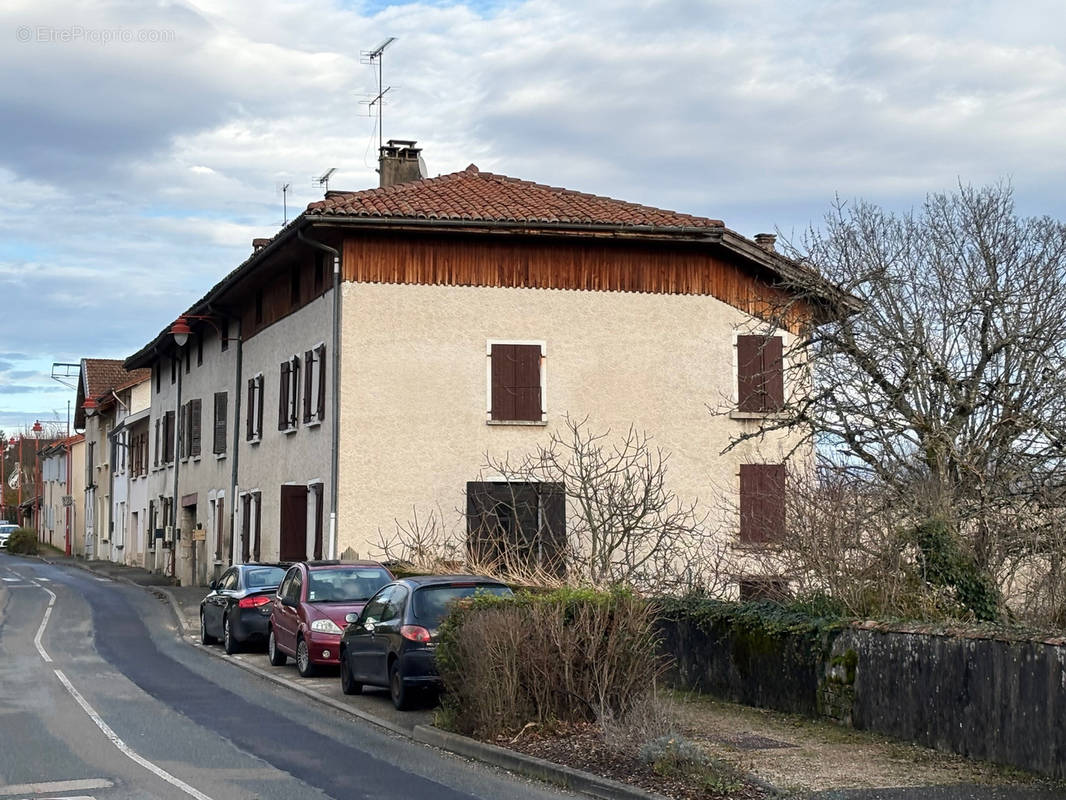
(63, 500)
(99, 411)
(361, 363)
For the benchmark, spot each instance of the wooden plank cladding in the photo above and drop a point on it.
(659, 268)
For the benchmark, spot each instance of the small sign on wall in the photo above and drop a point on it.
(199, 535)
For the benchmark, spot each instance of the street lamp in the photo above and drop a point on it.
(180, 330)
(89, 406)
(3, 484)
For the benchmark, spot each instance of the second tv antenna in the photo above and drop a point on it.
(375, 57)
(323, 179)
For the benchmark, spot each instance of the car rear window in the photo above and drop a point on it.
(345, 584)
(431, 603)
(261, 577)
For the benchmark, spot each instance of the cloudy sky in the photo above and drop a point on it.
(142, 143)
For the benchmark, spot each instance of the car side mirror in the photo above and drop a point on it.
(213, 585)
(351, 618)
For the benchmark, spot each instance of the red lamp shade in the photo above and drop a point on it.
(37, 427)
(180, 330)
(89, 406)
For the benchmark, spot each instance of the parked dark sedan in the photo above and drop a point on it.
(394, 640)
(237, 610)
(308, 613)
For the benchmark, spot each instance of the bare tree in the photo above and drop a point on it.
(947, 386)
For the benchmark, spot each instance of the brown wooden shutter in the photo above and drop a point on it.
(259, 405)
(220, 524)
(503, 370)
(219, 443)
(320, 355)
(762, 503)
(527, 382)
(317, 490)
(294, 392)
(168, 437)
(309, 363)
(156, 454)
(760, 373)
(293, 533)
(250, 419)
(258, 541)
(246, 527)
(283, 396)
(195, 412)
(182, 413)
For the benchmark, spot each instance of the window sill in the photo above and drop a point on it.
(313, 423)
(255, 440)
(536, 423)
(195, 459)
(757, 415)
(290, 431)
(219, 456)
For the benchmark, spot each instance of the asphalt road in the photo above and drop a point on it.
(99, 698)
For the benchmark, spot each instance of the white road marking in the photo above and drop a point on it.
(44, 622)
(11, 580)
(123, 747)
(45, 580)
(56, 786)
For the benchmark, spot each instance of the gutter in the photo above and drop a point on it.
(234, 554)
(335, 402)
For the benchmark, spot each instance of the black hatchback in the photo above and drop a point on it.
(237, 610)
(393, 641)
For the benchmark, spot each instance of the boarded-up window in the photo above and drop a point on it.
(515, 383)
(219, 443)
(762, 503)
(517, 525)
(760, 376)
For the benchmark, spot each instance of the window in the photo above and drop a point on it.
(760, 378)
(219, 444)
(517, 524)
(150, 534)
(764, 587)
(168, 437)
(254, 415)
(516, 373)
(762, 503)
(315, 384)
(192, 426)
(289, 394)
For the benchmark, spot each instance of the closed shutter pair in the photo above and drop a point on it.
(516, 389)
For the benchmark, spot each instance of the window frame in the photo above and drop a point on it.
(736, 411)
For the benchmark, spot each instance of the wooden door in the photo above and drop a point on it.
(293, 536)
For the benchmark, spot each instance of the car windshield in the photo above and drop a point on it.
(432, 603)
(263, 577)
(345, 584)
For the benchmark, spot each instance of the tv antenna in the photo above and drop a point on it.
(322, 180)
(375, 57)
(284, 189)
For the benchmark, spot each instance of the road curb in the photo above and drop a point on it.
(530, 766)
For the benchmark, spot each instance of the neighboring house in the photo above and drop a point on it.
(386, 340)
(126, 408)
(61, 517)
(98, 382)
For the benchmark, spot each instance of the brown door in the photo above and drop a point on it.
(293, 523)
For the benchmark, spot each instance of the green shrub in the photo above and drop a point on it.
(677, 757)
(23, 541)
(945, 564)
(569, 655)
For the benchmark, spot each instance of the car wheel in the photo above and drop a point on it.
(231, 644)
(349, 685)
(401, 695)
(204, 637)
(277, 658)
(303, 659)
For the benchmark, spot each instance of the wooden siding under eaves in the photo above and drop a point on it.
(588, 266)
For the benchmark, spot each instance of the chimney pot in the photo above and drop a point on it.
(259, 244)
(766, 241)
(399, 161)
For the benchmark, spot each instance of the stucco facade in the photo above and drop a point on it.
(414, 426)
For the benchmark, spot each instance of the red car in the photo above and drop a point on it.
(307, 613)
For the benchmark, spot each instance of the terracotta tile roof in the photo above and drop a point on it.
(484, 197)
(104, 374)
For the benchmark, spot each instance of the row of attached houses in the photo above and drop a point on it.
(361, 364)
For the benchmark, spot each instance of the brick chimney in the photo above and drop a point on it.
(399, 162)
(259, 244)
(766, 241)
